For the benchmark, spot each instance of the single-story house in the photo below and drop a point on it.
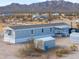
(23, 33)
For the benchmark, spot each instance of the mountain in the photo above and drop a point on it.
(55, 6)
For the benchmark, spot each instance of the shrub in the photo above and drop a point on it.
(27, 50)
(73, 47)
(61, 52)
(58, 53)
(65, 51)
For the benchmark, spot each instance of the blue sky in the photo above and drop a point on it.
(7, 2)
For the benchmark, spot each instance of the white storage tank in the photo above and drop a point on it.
(74, 37)
(44, 43)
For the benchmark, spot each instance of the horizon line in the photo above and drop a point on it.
(29, 3)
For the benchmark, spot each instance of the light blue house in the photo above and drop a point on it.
(24, 33)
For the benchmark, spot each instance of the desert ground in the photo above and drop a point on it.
(8, 51)
(67, 42)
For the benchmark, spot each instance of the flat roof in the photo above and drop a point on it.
(37, 26)
(46, 38)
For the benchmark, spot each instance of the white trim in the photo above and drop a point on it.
(11, 38)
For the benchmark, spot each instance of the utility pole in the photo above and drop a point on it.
(62, 9)
(31, 14)
(50, 9)
(73, 10)
(73, 14)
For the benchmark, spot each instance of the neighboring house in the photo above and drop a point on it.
(23, 33)
(40, 17)
(55, 14)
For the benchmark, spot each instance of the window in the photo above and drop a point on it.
(9, 32)
(42, 30)
(50, 29)
(32, 31)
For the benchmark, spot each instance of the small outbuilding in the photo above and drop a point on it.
(74, 37)
(44, 43)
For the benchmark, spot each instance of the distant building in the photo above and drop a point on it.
(55, 14)
(77, 20)
(24, 33)
(40, 16)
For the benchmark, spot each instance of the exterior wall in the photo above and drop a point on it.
(66, 32)
(9, 38)
(62, 32)
(22, 35)
(50, 44)
(44, 43)
(44, 31)
(27, 34)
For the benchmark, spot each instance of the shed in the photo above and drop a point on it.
(44, 43)
(74, 37)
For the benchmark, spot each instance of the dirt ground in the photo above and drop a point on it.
(67, 42)
(8, 51)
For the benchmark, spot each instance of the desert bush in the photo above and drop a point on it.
(73, 47)
(65, 51)
(58, 53)
(61, 52)
(28, 50)
(25, 51)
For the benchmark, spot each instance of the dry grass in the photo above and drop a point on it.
(73, 47)
(28, 50)
(62, 51)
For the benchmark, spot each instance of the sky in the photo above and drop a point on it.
(7, 2)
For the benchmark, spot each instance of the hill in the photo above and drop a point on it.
(55, 6)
